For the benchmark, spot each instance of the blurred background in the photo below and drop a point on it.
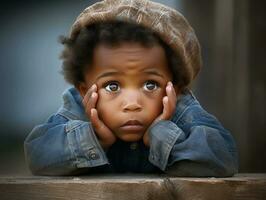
(231, 85)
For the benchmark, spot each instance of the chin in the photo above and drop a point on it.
(131, 137)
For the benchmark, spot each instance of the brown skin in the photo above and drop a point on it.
(127, 89)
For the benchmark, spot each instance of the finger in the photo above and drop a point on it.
(171, 94)
(90, 99)
(103, 132)
(166, 108)
(172, 98)
(165, 114)
(91, 103)
(87, 96)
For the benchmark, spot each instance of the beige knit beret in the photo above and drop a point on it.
(168, 23)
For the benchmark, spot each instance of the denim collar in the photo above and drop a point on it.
(72, 107)
(184, 101)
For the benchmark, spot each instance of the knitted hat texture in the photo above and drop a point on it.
(168, 23)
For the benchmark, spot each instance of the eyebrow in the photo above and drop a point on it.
(106, 74)
(153, 72)
(113, 73)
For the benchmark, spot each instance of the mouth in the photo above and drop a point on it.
(132, 126)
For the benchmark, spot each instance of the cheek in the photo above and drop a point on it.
(154, 106)
(105, 107)
(108, 107)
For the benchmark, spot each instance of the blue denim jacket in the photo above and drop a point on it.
(192, 143)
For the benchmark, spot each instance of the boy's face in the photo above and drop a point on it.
(131, 81)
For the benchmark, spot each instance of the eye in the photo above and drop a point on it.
(112, 87)
(150, 86)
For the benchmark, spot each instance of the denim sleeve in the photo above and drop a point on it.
(63, 147)
(200, 151)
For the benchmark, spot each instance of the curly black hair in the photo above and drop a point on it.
(78, 52)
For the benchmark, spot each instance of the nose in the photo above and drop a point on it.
(132, 101)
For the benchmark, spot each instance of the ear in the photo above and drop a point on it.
(82, 88)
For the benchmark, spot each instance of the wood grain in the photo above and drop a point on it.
(132, 187)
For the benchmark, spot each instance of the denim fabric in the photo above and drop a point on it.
(192, 143)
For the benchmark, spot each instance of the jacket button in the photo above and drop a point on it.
(93, 155)
(134, 146)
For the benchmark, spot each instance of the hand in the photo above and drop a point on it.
(169, 105)
(105, 135)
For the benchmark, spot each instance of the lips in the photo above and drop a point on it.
(132, 123)
(132, 126)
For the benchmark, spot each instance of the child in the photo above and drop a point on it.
(131, 110)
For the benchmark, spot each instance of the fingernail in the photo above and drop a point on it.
(169, 87)
(93, 87)
(93, 95)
